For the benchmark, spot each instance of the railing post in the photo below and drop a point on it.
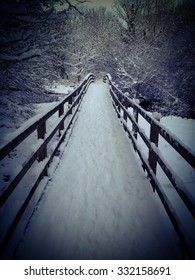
(70, 102)
(104, 79)
(125, 104)
(135, 114)
(117, 105)
(154, 136)
(60, 113)
(82, 95)
(41, 130)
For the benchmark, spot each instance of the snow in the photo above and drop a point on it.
(11, 165)
(183, 128)
(98, 204)
(156, 115)
(184, 131)
(59, 88)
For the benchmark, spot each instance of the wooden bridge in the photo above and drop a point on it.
(92, 200)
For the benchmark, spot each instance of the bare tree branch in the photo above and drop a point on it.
(74, 6)
(23, 56)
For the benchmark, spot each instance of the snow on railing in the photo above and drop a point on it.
(40, 154)
(121, 103)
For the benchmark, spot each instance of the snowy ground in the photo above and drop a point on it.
(59, 88)
(25, 112)
(99, 203)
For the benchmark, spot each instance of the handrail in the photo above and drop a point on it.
(73, 99)
(122, 102)
(180, 147)
(5, 149)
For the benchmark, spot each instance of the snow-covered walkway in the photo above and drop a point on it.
(99, 203)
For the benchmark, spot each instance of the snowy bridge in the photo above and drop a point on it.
(82, 194)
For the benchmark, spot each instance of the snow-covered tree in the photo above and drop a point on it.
(93, 43)
(31, 34)
(149, 30)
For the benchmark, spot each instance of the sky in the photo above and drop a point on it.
(92, 4)
(109, 3)
(98, 3)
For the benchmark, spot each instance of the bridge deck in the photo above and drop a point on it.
(99, 204)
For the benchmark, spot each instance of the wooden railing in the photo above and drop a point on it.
(121, 103)
(73, 100)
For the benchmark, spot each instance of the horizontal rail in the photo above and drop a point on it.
(121, 102)
(164, 199)
(180, 147)
(178, 185)
(77, 94)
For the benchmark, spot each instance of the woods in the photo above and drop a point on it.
(147, 46)
(157, 37)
